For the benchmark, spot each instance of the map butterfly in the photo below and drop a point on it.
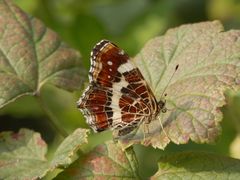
(117, 97)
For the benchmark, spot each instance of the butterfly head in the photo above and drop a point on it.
(162, 106)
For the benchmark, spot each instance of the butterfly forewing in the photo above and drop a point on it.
(118, 97)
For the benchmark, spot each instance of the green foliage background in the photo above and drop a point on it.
(130, 24)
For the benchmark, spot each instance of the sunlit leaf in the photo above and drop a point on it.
(23, 154)
(208, 60)
(106, 161)
(193, 165)
(32, 55)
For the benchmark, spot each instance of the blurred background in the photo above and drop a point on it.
(130, 24)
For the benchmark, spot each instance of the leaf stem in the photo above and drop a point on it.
(53, 121)
(131, 156)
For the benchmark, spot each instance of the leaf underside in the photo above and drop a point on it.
(32, 55)
(208, 60)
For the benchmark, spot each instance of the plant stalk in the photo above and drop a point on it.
(53, 121)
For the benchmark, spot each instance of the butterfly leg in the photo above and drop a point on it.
(160, 122)
(145, 130)
(126, 130)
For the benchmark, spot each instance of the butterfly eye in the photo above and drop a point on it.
(164, 110)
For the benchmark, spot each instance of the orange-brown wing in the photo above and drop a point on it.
(118, 97)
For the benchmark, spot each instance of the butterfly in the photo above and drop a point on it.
(118, 97)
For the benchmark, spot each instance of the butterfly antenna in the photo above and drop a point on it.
(163, 93)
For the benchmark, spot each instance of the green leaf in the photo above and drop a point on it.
(208, 60)
(68, 147)
(22, 154)
(107, 161)
(197, 165)
(32, 55)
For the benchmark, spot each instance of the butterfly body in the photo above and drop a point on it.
(118, 97)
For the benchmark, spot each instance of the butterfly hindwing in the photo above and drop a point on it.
(118, 97)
